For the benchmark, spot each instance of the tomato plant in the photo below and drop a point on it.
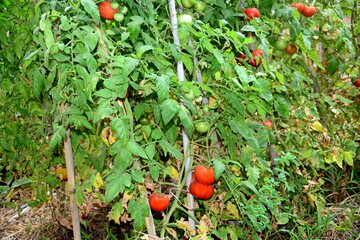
(300, 7)
(200, 190)
(204, 175)
(252, 13)
(291, 48)
(257, 56)
(106, 11)
(159, 202)
(309, 11)
(202, 126)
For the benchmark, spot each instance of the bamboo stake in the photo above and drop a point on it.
(69, 158)
(180, 74)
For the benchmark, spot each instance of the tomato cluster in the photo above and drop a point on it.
(283, 45)
(112, 11)
(307, 11)
(201, 187)
(197, 5)
(255, 60)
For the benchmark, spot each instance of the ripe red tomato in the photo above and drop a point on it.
(204, 175)
(251, 13)
(106, 11)
(159, 202)
(357, 82)
(268, 124)
(291, 48)
(256, 57)
(309, 11)
(240, 58)
(200, 190)
(300, 7)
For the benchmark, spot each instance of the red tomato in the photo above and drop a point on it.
(309, 11)
(106, 11)
(251, 13)
(256, 57)
(357, 82)
(268, 124)
(200, 190)
(159, 202)
(291, 48)
(240, 58)
(300, 7)
(204, 175)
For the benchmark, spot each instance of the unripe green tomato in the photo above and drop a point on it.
(199, 6)
(198, 99)
(190, 95)
(185, 18)
(202, 127)
(124, 10)
(280, 44)
(278, 53)
(206, 109)
(119, 17)
(188, 3)
(114, 5)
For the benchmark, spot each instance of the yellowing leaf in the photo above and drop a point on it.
(318, 127)
(232, 209)
(172, 172)
(348, 158)
(105, 133)
(98, 181)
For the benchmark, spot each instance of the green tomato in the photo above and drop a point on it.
(124, 10)
(198, 99)
(119, 17)
(278, 53)
(206, 109)
(188, 3)
(202, 127)
(190, 95)
(199, 6)
(280, 44)
(185, 18)
(114, 5)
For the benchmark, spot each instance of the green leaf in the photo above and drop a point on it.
(137, 176)
(136, 149)
(150, 151)
(218, 55)
(116, 185)
(57, 138)
(253, 174)
(21, 182)
(168, 110)
(167, 147)
(49, 37)
(282, 106)
(134, 28)
(138, 211)
(80, 121)
(219, 168)
(92, 9)
(189, 64)
(349, 158)
(129, 66)
(154, 172)
(141, 50)
(175, 51)
(333, 65)
(186, 120)
(162, 87)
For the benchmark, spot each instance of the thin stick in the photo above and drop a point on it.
(181, 76)
(69, 158)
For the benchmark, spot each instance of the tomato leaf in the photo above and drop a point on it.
(167, 147)
(138, 210)
(219, 168)
(186, 120)
(58, 136)
(162, 87)
(168, 110)
(136, 149)
(91, 8)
